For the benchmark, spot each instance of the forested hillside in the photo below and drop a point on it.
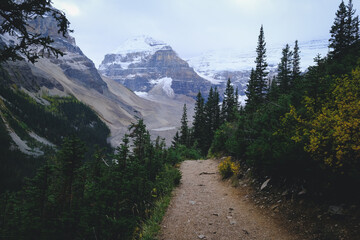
(52, 118)
(102, 196)
(302, 128)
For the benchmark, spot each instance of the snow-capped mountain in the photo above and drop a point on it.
(218, 66)
(75, 74)
(142, 63)
(131, 52)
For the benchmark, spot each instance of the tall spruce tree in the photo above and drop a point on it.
(176, 139)
(338, 32)
(141, 140)
(212, 118)
(184, 130)
(351, 24)
(284, 77)
(236, 99)
(273, 92)
(345, 30)
(228, 105)
(356, 31)
(199, 122)
(261, 65)
(69, 161)
(252, 98)
(215, 109)
(296, 63)
(257, 87)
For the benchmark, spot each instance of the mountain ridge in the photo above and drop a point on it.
(74, 74)
(139, 64)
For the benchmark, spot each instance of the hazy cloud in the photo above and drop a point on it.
(195, 26)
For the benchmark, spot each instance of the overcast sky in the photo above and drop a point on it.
(195, 26)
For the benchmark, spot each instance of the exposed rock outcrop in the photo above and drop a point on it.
(141, 61)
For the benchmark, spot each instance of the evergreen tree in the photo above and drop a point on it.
(284, 76)
(199, 122)
(141, 140)
(261, 65)
(69, 162)
(273, 92)
(212, 118)
(338, 32)
(256, 87)
(176, 139)
(356, 31)
(296, 63)
(212, 111)
(123, 152)
(345, 30)
(252, 98)
(236, 99)
(351, 24)
(216, 110)
(184, 130)
(228, 105)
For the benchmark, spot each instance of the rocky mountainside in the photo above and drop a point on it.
(143, 63)
(75, 74)
(218, 66)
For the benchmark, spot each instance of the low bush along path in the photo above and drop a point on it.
(205, 207)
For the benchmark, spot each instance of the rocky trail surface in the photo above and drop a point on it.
(205, 207)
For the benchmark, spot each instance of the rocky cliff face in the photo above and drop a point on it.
(141, 62)
(75, 65)
(75, 74)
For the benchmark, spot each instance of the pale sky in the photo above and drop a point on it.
(195, 26)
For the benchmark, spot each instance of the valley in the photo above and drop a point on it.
(100, 151)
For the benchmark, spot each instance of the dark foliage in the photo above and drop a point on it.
(15, 17)
(105, 197)
(63, 117)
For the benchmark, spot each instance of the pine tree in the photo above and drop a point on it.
(141, 140)
(252, 98)
(236, 99)
(123, 152)
(345, 30)
(184, 130)
(199, 121)
(212, 111)
(176, 139)
(285, 70)
(216, 122)
(228, 104)
(261, 65)
(257, 87)
(296, 63)
(273, 92)
(212, 118)
(351, 25)
(69, 162)
(356, 31)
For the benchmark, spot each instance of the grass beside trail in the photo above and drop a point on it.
(151, 227)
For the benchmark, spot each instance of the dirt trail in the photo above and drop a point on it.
(205, 207)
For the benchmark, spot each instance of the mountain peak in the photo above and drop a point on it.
(141, 43)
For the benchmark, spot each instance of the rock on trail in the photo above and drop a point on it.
(205, 207)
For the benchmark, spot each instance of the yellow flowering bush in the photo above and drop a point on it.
(227, 168)
(331, 134)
